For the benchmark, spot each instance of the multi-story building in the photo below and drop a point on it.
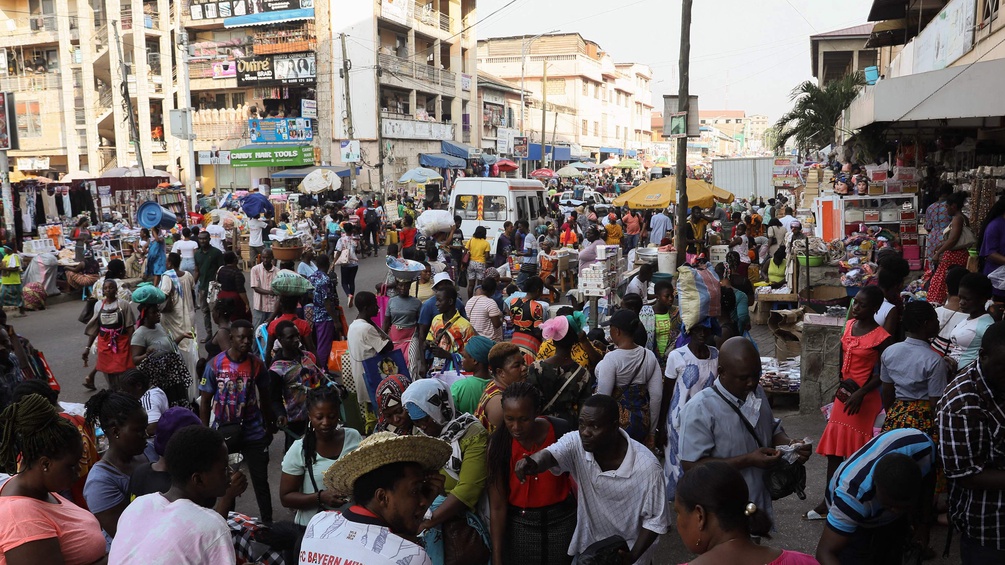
(592, 102)
(66, 62)
(413, 82)
(837, 53)
(759, 125)
(732, 123)
(500, 105)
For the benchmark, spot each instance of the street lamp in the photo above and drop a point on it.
(523, 72)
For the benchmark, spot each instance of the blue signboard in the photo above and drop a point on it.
(272, 130)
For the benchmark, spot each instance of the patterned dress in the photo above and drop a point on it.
(936, 221)
(691, 375)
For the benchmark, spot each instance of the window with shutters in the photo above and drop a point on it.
(586, 127)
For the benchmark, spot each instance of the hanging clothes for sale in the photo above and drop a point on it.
(39, 216)
(49, 204)
(67, 207)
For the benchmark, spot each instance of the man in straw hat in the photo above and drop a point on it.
(392, 480)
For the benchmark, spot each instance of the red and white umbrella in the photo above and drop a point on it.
(506, 165)
(543, 173)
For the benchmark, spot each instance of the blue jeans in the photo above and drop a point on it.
(631, 241)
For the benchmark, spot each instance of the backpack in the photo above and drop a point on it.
(370, 217)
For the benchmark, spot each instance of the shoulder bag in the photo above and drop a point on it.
(784, 478)
(966, 240)
(572, 376)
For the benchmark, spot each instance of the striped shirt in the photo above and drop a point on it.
(851, 494)
(971, 439)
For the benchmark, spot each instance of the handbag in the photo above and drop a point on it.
(966, 240)
(462, 544)
(846, 388)
(88, 312)
(604, 552)
(381, 366)
(233, 436)
(382, 301)
(572, 376)
(784, 478)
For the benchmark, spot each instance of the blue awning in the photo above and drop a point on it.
(558, 152)
(458, 149)
(613, 150)
(632, 153)
(263, 18)
(301, 173)
(441, 161)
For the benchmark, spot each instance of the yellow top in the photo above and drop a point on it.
(12, 261)
(614, 234)
(479, 249)
(776, 273)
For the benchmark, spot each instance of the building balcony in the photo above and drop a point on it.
(148, 20)
(397, 72)
(211, 75)
(36, 30)
(30, 82)
(236, 130)
(285, 38)
(424, 13)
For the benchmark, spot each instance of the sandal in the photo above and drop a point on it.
(814, 516)
(89, 385)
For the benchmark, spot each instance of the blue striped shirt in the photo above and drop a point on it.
(851, 494)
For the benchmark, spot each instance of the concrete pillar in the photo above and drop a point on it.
(66, 67)
(820, 362)
(175, 147)
(328, 110)
(115, 54)
(820, 68)
(854, 61)
(88, 46)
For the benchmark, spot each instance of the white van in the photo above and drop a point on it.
(491, 202)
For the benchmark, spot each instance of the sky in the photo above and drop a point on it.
(745, 54)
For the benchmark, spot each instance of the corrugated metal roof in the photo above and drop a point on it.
(863, 30)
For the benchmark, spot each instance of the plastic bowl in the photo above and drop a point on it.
(411, 271)
(813, 260)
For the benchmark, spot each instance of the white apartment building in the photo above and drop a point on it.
(594, 105)
(61, 60)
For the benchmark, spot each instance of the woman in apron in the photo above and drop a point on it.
(111, 328)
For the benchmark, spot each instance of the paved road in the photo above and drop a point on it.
(57, 333)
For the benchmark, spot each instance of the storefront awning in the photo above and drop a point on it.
(263, 18)
(934, 96)
(441, 161)
(458, 149)
(558, 152)
(301, 173)
(272, 156)
(612, 150)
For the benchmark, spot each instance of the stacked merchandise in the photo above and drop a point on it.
(598, 279)
(780, 376)
(814, 184)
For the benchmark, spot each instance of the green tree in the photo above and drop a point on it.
(812, 121)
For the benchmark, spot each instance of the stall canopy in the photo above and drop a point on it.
(441, 161)
(612, 150)
(301, 173)
(461, 150)
(276, 17)
(660, 193)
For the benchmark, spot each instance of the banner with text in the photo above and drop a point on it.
(271, 70)
(292, 156)
(272, 130)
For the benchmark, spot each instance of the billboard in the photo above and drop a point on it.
(949, 36)
(295, 68)
(274, 70)
(521, 147)
(272, 130)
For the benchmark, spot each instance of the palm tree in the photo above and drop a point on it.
(812, 121)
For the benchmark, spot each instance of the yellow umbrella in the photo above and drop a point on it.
(660, 193)
(722, 195)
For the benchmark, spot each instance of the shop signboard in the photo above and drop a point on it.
(32, 163)
(214, 158)
(224, 69)
(521, 147)
(349, 151)
(254, 71)
(273, 130)
(949, 36)
(309, 108)
(208, 10)
(289, 156)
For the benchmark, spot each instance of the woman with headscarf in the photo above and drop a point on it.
(474, 361)
(563, 382)
(431, 410)
(391, 416)
(155, 351)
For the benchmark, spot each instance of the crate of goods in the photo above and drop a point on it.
(877, 189)
(910, 239)
(909, 215)
(854, 215)
(911, 252)
(876, 174)
(871, 215)
(906, 174)
(889, 215)
(894, 187)
(910, 188)
(908, 227)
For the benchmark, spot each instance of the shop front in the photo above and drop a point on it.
(251, 165)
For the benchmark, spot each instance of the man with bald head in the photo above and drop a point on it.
(732, 422)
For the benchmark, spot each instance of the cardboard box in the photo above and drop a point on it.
(787, 327)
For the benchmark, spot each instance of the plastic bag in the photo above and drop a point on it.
(698, 292)
(432, 222)
(997, 277)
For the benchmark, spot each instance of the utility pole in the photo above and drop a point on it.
(8, 198)
(350, 132)
(544, 111)
(185, 104)
(683, 105)
(380, 138)
(127, 102)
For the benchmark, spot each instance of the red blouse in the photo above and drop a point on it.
(543, 489)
